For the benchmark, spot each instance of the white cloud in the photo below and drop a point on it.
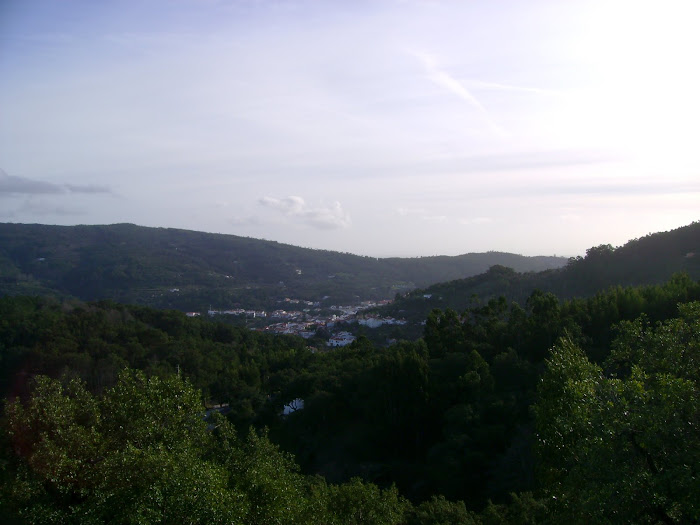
(435, 219)
(443, 79)
(398, 107)
(403, 212)
(476, 220)
(508, 87)
(323, 217)
(10, 185)
(248, 220)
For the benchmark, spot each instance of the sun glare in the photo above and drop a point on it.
(640, 95)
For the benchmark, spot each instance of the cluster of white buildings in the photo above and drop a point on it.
(305, 323)
(238, 311)
(374, 321)
(305, 329)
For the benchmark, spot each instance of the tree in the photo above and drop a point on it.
(624, 446)
(134, 456)
(544, 325)
(144, 453)
(140, 454)
(439, 511)
(444, 333)
(358, 503)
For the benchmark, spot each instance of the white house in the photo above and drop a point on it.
(341, 339)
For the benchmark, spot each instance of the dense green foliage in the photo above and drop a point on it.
(448, 419)
(621, 443)
(95, 341)
(140, 265)
(142, 453)
(648, 260)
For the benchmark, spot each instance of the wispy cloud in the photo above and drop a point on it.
(519, 161)
(443, 79)
(423, 215)
(10, 185)
(404, 212)
(88, 188)
(476, 220)
(508, 87)
(248, 220)
(435, 219)
(323, 217)
(617, 188)
(49, 38)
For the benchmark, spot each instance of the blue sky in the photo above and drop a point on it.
(385, 128)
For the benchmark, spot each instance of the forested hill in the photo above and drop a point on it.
(191, 270)
(583, 411)
(649, 260)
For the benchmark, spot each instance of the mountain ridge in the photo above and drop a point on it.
(648, 260)
(175, 268)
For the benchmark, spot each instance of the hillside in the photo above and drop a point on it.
(493, 418)
(191, 270)
(652, 259)
(463, 426)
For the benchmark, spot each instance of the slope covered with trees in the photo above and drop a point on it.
(477, 422)
(188, 270)
(648, 260)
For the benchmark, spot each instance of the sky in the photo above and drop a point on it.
(383, 128)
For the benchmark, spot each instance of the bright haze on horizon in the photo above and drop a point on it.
(383, 128)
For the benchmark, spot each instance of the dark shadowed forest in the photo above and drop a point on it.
(551, 409)
(543, 413)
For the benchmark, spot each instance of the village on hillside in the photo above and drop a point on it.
(308, 319)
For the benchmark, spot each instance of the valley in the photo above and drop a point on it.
(476, 401)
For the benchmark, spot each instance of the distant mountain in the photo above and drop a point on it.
(652, 259)
(190, 270)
